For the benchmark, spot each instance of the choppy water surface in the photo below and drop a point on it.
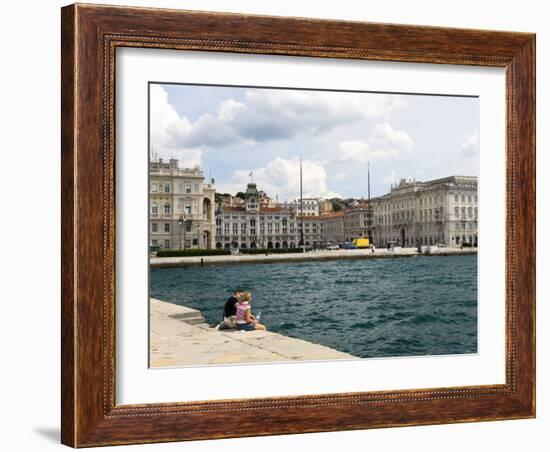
(369, 308)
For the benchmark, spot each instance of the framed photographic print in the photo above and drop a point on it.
(282, 225)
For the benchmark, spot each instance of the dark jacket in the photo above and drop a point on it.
(229, 308)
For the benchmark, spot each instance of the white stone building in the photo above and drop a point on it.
(181, 207)
(311, 207)
(255, 225)
(440, 211)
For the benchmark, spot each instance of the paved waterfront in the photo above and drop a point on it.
(179, 336)
(167, 262)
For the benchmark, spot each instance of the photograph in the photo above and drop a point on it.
(294, 225)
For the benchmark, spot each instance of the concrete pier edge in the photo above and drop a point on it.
(180, 337)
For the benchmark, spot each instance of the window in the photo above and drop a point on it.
(456, 211)
(195, 242)
(154, 208)
(167, 188)
(188, 226)
(166, 227)
(154, 187)
(469, 198)
(154, 242)
(167, 244)
(154, 227)
(188, 209)
(188, 189)
(456, 198)
(166, 208)
(461, 198)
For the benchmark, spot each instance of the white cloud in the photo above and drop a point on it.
(385, 136)
(281, 177)
(469, 146)
(165, 124)
(340, 176)
(384, 142)
(265, 115)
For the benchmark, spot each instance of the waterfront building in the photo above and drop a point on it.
(355, 221)
(314, 235)
(254, 225)
(333, 227)
(414, 213)
(181, 207)
(440, 211)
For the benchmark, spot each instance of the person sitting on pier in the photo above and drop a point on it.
(245, 320)
(230, 307)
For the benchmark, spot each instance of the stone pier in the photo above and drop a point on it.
(179, 336)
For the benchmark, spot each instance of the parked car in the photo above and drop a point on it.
(333, 246)
(348, 246)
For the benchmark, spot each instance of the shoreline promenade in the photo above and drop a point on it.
(179, 336)
(170, 262)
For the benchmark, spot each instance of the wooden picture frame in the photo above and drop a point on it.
(90, 36)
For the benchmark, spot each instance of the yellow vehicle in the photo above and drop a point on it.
(361, 242)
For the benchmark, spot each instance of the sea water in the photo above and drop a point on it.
(406, 306)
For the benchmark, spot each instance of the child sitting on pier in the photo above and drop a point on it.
(245, 320)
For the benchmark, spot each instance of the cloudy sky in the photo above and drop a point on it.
(231, 132)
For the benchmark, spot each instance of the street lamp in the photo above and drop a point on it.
(182, 232)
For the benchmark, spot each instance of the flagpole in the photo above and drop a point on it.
(301, 211)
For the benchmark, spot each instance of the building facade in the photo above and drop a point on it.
(311, 207)
(356, 222)
(255, 225)
(181, 207)
(333, 227)
(440, 211)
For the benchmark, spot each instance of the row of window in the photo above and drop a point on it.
(166, 227)
(184, 207)
(431, 200)
(167, 188)
(167, 244)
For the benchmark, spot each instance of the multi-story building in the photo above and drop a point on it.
(314, 235)
(310, 206)
(254, 225)
(325, 207)
(413, 214)
(333, 227)
(356, 222)
(182, 207)
(428, 213)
